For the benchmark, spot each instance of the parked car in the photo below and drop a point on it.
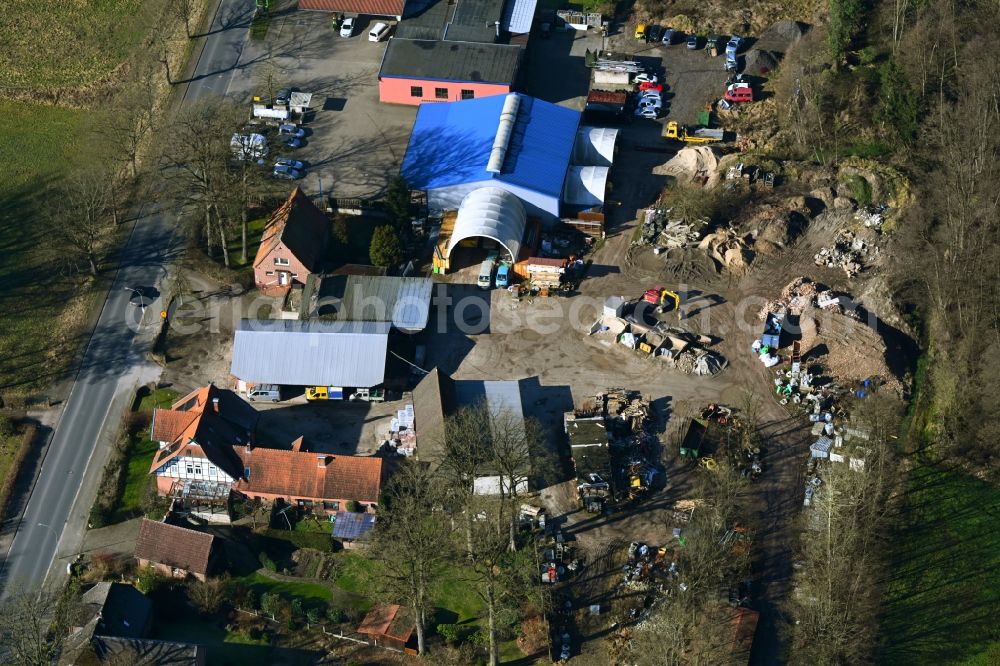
(294, 143)
(645, 77)
(285, 161)
(653, 34)
(291, 130)
(270, 392)
(669, 36)
(648, 98)
(692, 42)
(503, 276)
(378, 32)
(640, 31)
(650, 85)
(285, 172)
(648, 112)
(347, 27)
(283, 96)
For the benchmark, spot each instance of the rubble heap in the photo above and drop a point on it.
(660, 230)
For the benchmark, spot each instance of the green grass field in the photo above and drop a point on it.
(36, 145)
(160, 398)
(943, 598)
(50, 45)
(137, 479)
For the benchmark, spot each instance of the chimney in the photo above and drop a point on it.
(215, 405)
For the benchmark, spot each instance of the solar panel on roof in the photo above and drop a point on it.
(349, 525)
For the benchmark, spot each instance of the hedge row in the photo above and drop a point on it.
(7, 489)
(315, 540)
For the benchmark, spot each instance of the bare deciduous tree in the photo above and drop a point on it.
(28, 634)
(412, 541)
(84, 214)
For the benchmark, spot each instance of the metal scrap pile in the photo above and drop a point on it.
(629, 407)
(660, 230)
(694, 361)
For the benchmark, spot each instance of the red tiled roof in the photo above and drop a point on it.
(388, 620)
(301, 226)
(206, 433)
(301, 474)
(174, 546)
(369, 7)
(168, 425)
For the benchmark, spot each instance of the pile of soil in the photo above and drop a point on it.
(781, 36)
(690, 163)
(847, 348)
(760, 62)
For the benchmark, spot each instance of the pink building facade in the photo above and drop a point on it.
(392, 90)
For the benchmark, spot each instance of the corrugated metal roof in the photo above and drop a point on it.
(518, 16)
(451, 144)
(311, 353)
(402, 301)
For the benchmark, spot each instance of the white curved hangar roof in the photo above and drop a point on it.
(595, 146)
(586, 185)
(491, 213)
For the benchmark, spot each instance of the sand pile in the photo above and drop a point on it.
(692, 163)
(848, 349)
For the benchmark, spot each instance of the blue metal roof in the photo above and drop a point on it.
(451, 143)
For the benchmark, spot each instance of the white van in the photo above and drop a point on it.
(485, 280)
(270, 392)
(378, 32)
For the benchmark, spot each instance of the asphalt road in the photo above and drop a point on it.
(53, 525)
(223, 50)
(52, 516)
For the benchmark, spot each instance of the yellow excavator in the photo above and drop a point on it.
(659, 296)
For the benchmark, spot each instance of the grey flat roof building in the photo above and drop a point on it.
(451, 61)
(311, 353)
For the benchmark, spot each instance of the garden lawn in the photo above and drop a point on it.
(943, 597)
(308, 592)
(161, 398)
(36, 145)
(255, 228)
(137, 478)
